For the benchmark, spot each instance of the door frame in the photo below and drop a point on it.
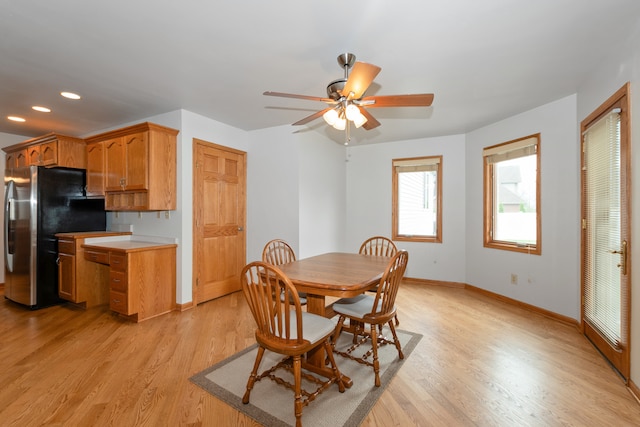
(620, 360)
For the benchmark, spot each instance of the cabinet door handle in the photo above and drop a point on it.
(58, 261)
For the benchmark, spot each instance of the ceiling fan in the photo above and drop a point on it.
(347, 103)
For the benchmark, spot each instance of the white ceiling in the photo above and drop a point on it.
(131, 59)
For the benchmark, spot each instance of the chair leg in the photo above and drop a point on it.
(374, 348)
(297, 375)
(252, 377)
(337, 331)
(334, 367)
(397, 321)
(396, 341)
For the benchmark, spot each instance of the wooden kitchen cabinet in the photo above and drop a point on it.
(48, 150)
(17, 159)
(140, 164)
(141, 277)
(80, 281)
(95, 169)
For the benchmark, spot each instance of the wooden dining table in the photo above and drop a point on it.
(335, 274)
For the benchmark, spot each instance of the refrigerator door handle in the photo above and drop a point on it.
(9, 232)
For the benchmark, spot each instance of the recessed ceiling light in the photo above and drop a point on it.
(41, 109)
(16, 119)
(70, 95)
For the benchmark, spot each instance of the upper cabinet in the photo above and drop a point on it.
(48, 150)
(95, 169)
(138, 165)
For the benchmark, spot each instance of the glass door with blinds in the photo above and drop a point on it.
(606, 231)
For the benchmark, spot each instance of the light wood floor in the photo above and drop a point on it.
(480, 363)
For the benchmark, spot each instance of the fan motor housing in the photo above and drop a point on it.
(334, 89)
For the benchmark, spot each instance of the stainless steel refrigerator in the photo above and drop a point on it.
(40, 202)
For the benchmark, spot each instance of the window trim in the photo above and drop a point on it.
(488, 198)
(414, 161)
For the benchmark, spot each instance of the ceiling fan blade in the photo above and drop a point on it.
(359, 80)
(293, 95)
(415, 100)
(371, 122)
(311, 117)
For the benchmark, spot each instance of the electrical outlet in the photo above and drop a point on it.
(514, 279)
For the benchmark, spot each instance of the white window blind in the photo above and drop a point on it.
(512, 150)
(417, 165)
(417, 196)
(602, 179)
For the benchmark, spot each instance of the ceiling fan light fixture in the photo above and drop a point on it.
(359, 120)
(352, 111)
(347, 101)
(330, 117)
(340, 124)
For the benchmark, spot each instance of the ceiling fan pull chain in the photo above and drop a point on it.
(348, 134)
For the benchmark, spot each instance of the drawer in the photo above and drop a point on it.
(118, 281)
(118, 261)
(118, 302)
(67, 247)
(97, 256)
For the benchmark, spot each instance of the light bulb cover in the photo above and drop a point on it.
(352, 111)
(340, 124)
(330, 117)
(359, 120)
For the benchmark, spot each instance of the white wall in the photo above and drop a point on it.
(551, 280)
(295, 191)
(369, 193)
(623, 66)
(273, 182)
(322, 195)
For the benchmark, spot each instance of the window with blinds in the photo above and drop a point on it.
(512, 195)
(417, 199)
(602, 294)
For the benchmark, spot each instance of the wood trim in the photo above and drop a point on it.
(634, 390)
(495, 296)
(416, 281)
(524, 305)
(50, 137)
(184, 307)
(140, 127)
(621, 360)
(488, 202)
(395, 235)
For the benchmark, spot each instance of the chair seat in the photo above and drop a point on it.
(315, 327)
(357, 307)
(301, 295)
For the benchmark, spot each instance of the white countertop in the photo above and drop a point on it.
(131, 241)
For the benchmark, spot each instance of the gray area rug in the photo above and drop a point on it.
(272, 404)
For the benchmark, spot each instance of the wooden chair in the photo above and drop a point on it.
(278, 252)
(375, 312)
(379, 246)
(283, 328)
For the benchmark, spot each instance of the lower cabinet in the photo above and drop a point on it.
(141, 280)
(80, 281)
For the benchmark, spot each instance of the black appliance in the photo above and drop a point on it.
(40, 202)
